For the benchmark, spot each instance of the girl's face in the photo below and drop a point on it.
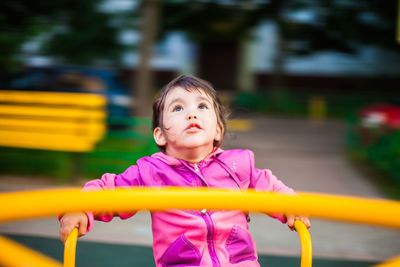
(189, 123)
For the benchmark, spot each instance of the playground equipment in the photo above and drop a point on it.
(51, 120)
(70, 248)
(305, 242)
(32, 204)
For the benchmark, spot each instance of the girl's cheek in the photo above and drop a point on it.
(168, 124)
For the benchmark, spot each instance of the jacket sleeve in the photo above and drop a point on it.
(264, 180)
(109, 181)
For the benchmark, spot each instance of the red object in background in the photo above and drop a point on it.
(380, 115)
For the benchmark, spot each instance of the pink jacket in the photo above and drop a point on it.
(192, 237)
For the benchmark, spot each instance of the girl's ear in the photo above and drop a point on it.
(218, 134)
(159, 137)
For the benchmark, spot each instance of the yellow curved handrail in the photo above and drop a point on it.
(10, 251)
(52, 202)
(70, 248)
(395, 262)
(304, 234)
(305, 242)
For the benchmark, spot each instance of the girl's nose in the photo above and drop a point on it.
(191, 116)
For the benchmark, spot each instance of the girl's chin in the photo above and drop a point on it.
(198, 145)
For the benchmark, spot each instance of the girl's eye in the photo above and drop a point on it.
(177, 108)
(203, 106)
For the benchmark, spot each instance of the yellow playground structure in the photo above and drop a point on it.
(33, 204)
(61, 121)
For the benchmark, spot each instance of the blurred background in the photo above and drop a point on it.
(308, 78)
(313, 59)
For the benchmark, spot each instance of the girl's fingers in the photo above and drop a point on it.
(292, 218)
(64, 232)
(70, 221)
(290, 221)
(306, 222)
(82, 227)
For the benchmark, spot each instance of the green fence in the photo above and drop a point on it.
(127, 140)
(291, 102)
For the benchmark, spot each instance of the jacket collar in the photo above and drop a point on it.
(174, 161)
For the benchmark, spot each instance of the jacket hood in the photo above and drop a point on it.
(174, 161)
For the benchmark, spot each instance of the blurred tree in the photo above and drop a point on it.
(303, 27)
(339, 25)
(73, 31)
(149, 13)
(309, 26)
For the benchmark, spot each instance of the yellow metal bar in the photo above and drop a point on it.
(83, 126)
(83, 140)
(39, 141)
(391, 263)
(54, 98)
(51, 111)
(305, 241)
(14, 254)
(78, 146)
(306, 244)
(22, 205)
(70, 248)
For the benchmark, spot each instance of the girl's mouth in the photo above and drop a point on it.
(193, 127)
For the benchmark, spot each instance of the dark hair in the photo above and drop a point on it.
(189, 83)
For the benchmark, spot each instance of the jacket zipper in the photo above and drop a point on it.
(210, 229)
(197, 171)
(210, 237)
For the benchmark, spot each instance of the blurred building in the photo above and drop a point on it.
(371, 66)
(250, 65)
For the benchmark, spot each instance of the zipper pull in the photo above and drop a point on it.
(203, 211)
(196, 168)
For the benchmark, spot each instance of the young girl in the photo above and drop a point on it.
(189, 125)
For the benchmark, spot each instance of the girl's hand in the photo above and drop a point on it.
(70, 221)
(292, 218)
